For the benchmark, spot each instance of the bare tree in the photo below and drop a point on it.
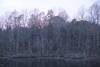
(81, 13)
(94, 13)
(50, 13)
(63, 14)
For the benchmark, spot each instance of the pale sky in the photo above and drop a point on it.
(71, 6)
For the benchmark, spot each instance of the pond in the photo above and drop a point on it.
(31, 62)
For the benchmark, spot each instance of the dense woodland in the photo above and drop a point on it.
(48, 34)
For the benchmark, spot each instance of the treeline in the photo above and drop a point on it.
(49, 35)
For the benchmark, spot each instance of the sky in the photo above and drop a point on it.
(71, 6)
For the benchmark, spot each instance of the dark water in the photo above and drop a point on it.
(48, 63)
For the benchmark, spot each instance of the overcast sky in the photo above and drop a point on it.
(71, 6)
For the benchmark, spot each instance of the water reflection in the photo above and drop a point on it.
(47, 63)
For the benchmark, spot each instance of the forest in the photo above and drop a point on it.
(49, 34)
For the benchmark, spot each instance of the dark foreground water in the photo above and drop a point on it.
(30, 62)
